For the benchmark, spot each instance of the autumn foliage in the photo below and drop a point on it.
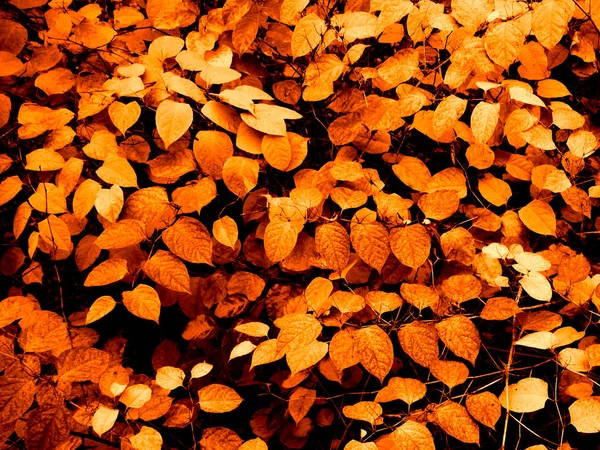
(250, 225)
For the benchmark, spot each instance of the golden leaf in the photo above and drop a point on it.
(173, 120)
(539, 217)
(447, 113)
(409, 390)
(56, 233)
(241, 349)
(499, 308)
(585, 414)
(383, 302)
(124, 116)
(168, 377)
(297, 331)
(503, 42)
(143, 302)
(333, 243)
(200, 370)
(218, 398)
(550, 21)
(485, 408)
(412, 435)
(122, 234)
(9, 188)
(279, 240)
(460, 336)
(439, 205)
(136, 395)
(85, 197)
(367, 411)
(212, 149)
(371, 242)
(420, 342)
(305, 357)
(103, 420)
(341, 350)
(47, 197)
(254, 329)
(527, 395)
(190, 240)
(451, 373)
(413, 172)
(374, 350)
(301, 400)
(456, 421)
(308, 33)
(147, 439)
(169, 271)
(109, 203)
(265, 353)
(117, 170)
(240, 175)
(411, 245)
(107, 272)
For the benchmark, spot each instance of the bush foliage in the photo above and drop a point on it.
(360, 224)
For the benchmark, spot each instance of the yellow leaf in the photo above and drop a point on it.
(494, 190)
(167, 270)
(124, 116)
(190, 240)
(503, 42)
(371, 242)
(413, 436)
(447, 113)
(16, 307)
(484, 118)
(456, 421)
(147, 439)
(241, 349)
(585, 414)
(582, 143)
(303, 358)
(451, 373)
(56, 233)
(552, 89)
(165, 47)
(420, 342)
(200, 370)
(341, 350)
(9, 188)
(218, 398)
(439, 205)
(100, 308)
(168, 377)
(103, 419)
(485, 408)
(212, 149)
(82, 364)
(107, 272)
(109, 203)
(460, 336)
(265, 353)
(277, 151)
(143, 302)
(499, 308)
(85, 197)
(409, 390)
(254, 444)
(527, 395)
(47, 197)
(117, 170)
(333, 243)
(44, 160)
(301, 400)
(367, 411)
(411, 245)
(254, 329)
(240, 175)
(122, 234)
(279, 240)
(223, 115)
(297, 331)
(374, 350)
(136, 395)
(539, 217)
(225, 231)
(522, 95)
(307, 34)
(173, 120)
(550, 21)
